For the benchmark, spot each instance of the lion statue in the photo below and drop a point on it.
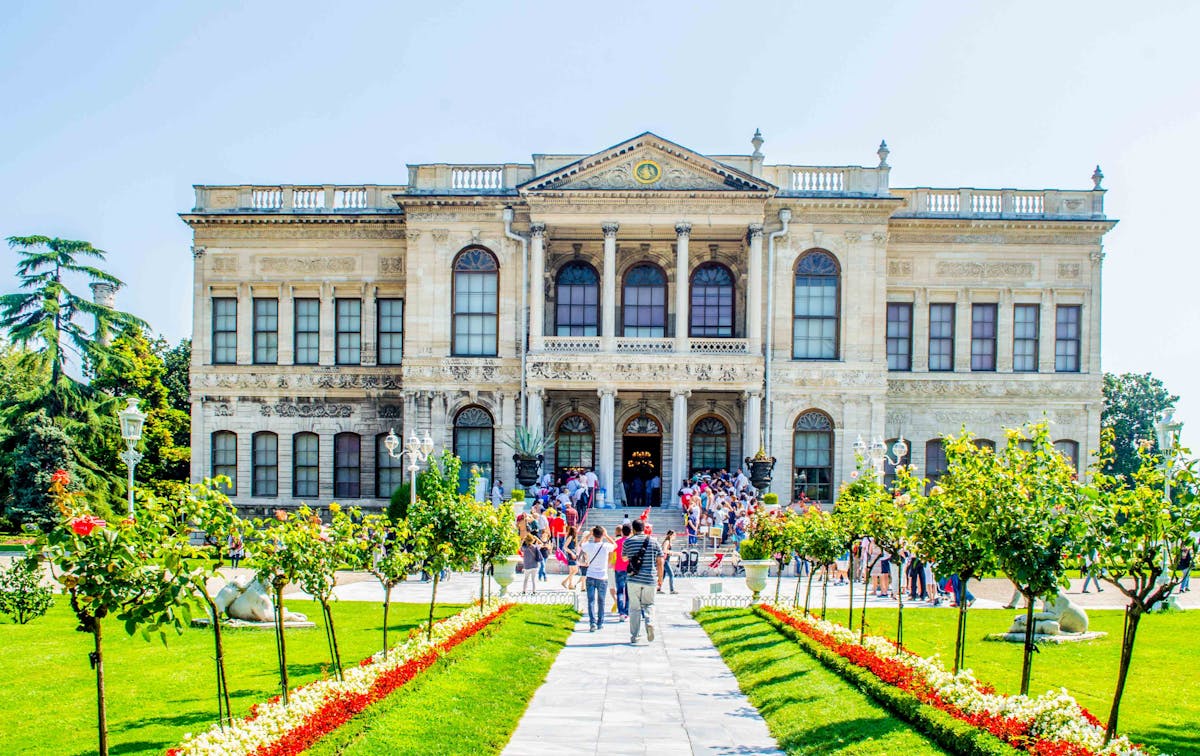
(244, 598)
(1061, 616)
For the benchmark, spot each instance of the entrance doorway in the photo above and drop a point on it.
(641, 462)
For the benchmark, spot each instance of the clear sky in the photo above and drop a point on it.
(111, 111)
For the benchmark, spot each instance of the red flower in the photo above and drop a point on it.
(280, 515)
(60, 477)
(85, 525)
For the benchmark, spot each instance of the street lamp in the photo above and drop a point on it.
(877, 453)
(417, 450)
(1167, 429)
(131, 431)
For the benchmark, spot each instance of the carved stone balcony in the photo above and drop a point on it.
(627, 345)
(925, 202)
(286, 198)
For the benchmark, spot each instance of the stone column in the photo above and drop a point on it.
(683, 231)
(679, 439)
(754, 288)
(962, 332)
(920, 333)
(752, 434)
(1004, 332)
(536, 419)
(1046, 332)
(607, 441)
(537, 290)
(245, 324)
(328, 322)
(287, 323)
(608, 295)
(368, 326)
(506, 470)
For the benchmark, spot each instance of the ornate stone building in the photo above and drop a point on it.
(683, 310)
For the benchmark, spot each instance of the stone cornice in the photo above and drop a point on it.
(225, 218)
(919, 229)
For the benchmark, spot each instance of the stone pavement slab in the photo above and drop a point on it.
(673, 696)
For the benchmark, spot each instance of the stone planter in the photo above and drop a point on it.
(528, 469)
(504, 572)
(760, 471)
(518, 506)
(756, 574)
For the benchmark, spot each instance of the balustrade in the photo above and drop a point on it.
(818, 180)
(308, 198)
(645, 346)
(720, 346)
(998, 203)
(477, 177)
(561, 344)
(266, 198)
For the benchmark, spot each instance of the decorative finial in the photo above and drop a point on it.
(1097, 177)
(883, 153)
(757, 141)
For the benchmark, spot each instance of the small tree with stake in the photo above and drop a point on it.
(497, 538)
(824, 542)
(323, 550)
(891, 528)
(1138, 528)
(383, 548)
(877, 517)
(850, 519)
(277, 550)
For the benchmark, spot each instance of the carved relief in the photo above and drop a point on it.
(308, 265)
(223, 410)
(900, 268)
(391, 266)
(980, 417)
(215, 232)
(897, 419)
(299, 381)
(984, 270)
(1033, 389)
(222, 199)
(288, 409)
(225, 263)
(391, 412)
(1069, 270)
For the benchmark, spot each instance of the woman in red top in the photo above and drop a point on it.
(620, 573)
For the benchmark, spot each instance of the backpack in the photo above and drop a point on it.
(635, 561)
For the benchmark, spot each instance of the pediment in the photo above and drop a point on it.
(647, 163)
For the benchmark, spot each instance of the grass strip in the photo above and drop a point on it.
(952, 734)
(471, 700)
(808, 709)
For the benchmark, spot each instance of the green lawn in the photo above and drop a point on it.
(487, 682)
(1161, 706)
(808, 709)
(157, 693)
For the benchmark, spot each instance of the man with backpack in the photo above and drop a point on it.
(593, 560)
(645, 575)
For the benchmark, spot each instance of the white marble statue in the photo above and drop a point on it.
(245, 598)
(1062, 616)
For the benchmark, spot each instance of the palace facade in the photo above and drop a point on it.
(652, 309)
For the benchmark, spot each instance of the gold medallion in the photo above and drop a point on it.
(647, 172)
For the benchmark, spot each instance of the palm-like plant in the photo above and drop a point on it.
(528, 442)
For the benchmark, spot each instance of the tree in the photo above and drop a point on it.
(498, 537)
(1133, 403)
(871, 507)
(821, 542)
(771, 532)
(849, 517)
(384, 549)
(277, 552)
(45, 448)
(445, 536)
(1137, 532)
(892, 531)
(22, 595)
(951, 526)
(177, 361)
(321, 551)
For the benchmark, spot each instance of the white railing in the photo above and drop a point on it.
(645, 346)
(722, 600)
(983, 203)
(1001, 203)
(571, 344)
(266, 198)
(478, 177)
(818, 180)
(308, 198)
(942, 202)
(719, 346)
(350, 198)
(1029, 203)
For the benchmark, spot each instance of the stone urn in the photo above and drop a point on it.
(504, 572)
(528, 469)
(761, 466)
(756, 574)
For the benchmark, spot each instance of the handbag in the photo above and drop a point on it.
(635, 562)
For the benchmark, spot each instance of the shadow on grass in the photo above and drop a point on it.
(841, 734)
(179, 720)
(1177, 741)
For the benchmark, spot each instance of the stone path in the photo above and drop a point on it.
(673, 696)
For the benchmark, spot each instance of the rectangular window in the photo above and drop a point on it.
(1025, 338)
(224, 331)
(308, 331)
(389, 470)
(983, 337)
(347, 462)
(941, 337)
(266, 331)
(1066, 339)
(899, 336)
(391, 330)
(266, 465)
(349, 331)
(224, 459)
(305, 464)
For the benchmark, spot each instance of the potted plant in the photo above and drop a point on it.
(517, 499)
(771, 500)
(761, 466)
(757, 563)
(529, 447)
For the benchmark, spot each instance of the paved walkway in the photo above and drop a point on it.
(674, 696)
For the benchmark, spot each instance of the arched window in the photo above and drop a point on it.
(347, 466)
(985, 443)
(812, 457)
(476, 302)
(815, 307)
(265, 465)
(889, 470)
(710, 444)
(644, 302)
(389, 470)
(1069, 450)
(224, 459)
(577, 300)
(575, 444)
(935, 461)
(712, 302)
(473, 436)
(306, 465)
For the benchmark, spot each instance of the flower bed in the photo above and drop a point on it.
(317, 709)
(922, 691)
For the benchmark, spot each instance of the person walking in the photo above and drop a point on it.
(668, 573)
(531, 559)
(593, 558)
(620, 573)
(570, 550)
(1091, 572)
(644, 558)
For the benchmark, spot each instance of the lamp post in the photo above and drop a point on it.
(1167, 429)
(131, 430)
(877, 454)
(417, 450)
